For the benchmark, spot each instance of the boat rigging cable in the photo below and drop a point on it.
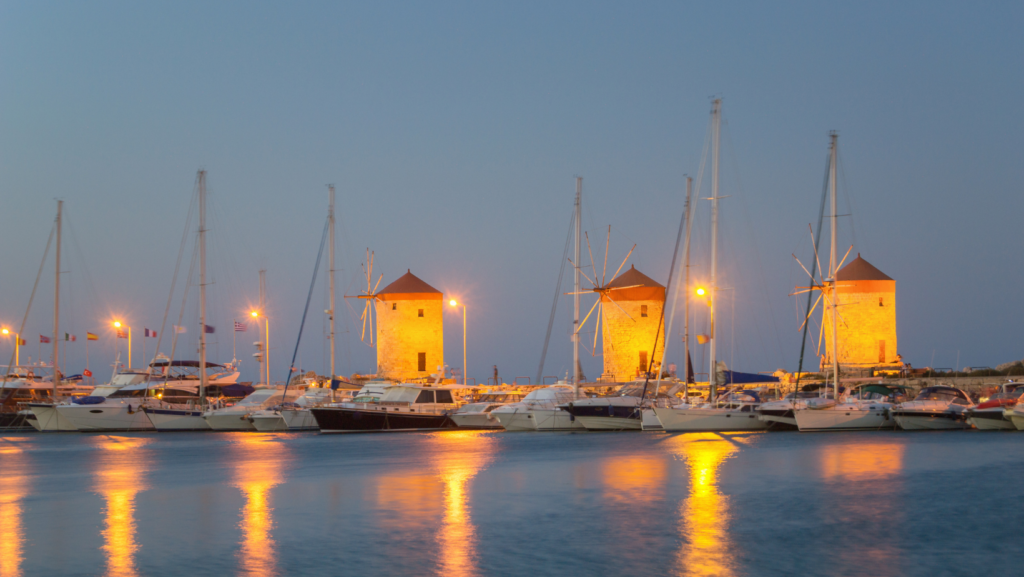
(554, 303)
(309, 297)
(814, 269)
(21, 329)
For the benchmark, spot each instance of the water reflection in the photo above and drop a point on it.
(705, 512)
(14, 487)
(259, 464)
(434, 500)
(119, 478)
(633, 480)
(865, 482)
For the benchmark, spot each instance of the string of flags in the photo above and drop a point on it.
(240, 327)
(43, 339)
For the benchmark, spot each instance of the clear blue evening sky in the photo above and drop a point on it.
(453, 131)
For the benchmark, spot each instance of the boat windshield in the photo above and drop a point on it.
(499, 398)
(474, 408)
(128, 394)
(257, 398)
(938, 394)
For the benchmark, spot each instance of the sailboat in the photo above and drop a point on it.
(734, 411)
(868, 410)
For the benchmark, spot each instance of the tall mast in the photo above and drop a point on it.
(56, 309)
(686, 288)
(330, 252)
(576, 297)
(834, 263)
(264, 361)
(716, 116)
(202, 287)
(675, 284)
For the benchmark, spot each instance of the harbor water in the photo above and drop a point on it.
(464, 503)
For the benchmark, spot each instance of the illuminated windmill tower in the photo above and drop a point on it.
(410, 336)
(631, 305)
(867, 317)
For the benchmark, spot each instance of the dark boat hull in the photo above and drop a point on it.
(16, 422)
(333, 420)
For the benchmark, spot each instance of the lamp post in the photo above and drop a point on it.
(266, 345)
(17, 345)
(455, 303)
(117, 325)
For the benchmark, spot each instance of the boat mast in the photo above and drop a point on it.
(330, 252)
(686, 291)
(675, 284)
(834, 263)
(265, 363)
(202, 288)
(576, 297)
(56, 309)
(716, 115)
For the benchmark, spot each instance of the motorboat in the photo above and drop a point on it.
(404, 407)
(779, 413)
(866, 408)
(934, 408)
(45, 416)
(22, 387)
(996, 412)
(540, 411)
(733, 411)
(235, 417)
(620, 411)
(290, 416)
(173, 385)
(477, 414)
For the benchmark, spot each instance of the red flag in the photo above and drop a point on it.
(87, 373)
(73, 338)
(121, 334)
(91, 337)
(21, 342)
(43, 339)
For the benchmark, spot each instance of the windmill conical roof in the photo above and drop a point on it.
(410, 284)
(633, 277)
(860, 269)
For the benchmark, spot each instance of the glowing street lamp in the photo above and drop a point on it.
(117, 325)
(454, 303)
(17, 345)
(701, 291)
(266, 344)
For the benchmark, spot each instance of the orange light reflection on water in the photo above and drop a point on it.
(633, 480)
(119, 478)
(260, 461)
(705, 512)
(14, 487)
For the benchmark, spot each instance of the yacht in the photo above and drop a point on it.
(867, 408)
(540, 411)
(175, 388)
(779, 413)
(236, 417)
(404, 407)
(934, 408)
(477, 414)
(733, 411)
(996, 412)
(45, 417)
(23, 387)
(620, 411)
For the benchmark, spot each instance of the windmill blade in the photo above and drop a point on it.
(597, 329)
(582, 273)
(586, 292)
(815, 247)
(844, 257)
(810, 313)
(619, 288)
(366, 309)
(584, 321)
(380, 278)
(623, 263)
(620, 308)
(591, 253)
(821, 335)
(607, 245)
(372, 323)
(803, 267)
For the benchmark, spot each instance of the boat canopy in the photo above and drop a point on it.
(560, 393)
(236, 390)
(736, 377)
(164, 363)
(400, 394)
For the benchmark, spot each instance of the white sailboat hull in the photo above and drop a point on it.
(930, 422)
(299, 420)
(475, 421)
(610, 424)
(555, 420)
(229, 421)
(177, 420)
(47, 419)
(268, 422)
(121, 416)
(709, 420)
(650, 421)
(1017, 419)
(845, 418)
(515, 421)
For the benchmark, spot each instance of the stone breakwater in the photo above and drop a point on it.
(983, 386)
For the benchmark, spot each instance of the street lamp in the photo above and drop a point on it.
(17, 345)
(455, 303)
(117, 325)
(266, 345)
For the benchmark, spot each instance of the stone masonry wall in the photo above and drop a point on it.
(402, 334)
(623, 339)
(862, 324)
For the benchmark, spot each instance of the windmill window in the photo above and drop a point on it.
(643, 361)
(880, 301)
(643, 310)
(394, 306)
(420, 313)
(421, 362)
